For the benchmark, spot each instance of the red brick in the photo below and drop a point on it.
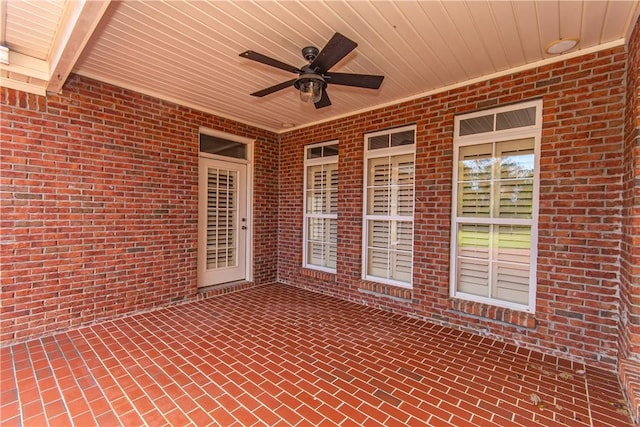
(119, 164)
(113, 180)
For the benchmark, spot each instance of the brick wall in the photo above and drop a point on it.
(579, 221)
(630, 259)
(99, 195)
(99, 205)
(629, 330)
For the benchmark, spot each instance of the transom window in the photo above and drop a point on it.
(222, 147)
(321, 206)
(495, 206)
(388, 207)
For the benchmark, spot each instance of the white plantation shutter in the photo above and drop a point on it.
(321, 242)
(499, 253)
(515, 179)
(378, 250)
(404, 188)
(331, 246)
(474, 180)
(222, 193)
(379, 191)
(493, 221)
(401, 251)
(322, 188)
(473, 258)
(389, 194)
(511, 263)
(315, 233)
(321, 207)
(333, 190)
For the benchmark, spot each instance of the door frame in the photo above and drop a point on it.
(202, 223)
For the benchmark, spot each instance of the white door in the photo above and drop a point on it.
(222, 222)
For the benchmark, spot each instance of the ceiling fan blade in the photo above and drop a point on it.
(258, 57)
(359, 80)
(324, 101)
(274, 88)
(335, 49)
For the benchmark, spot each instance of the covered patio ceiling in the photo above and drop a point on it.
(188, 51)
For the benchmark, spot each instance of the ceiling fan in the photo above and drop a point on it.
(314, 77)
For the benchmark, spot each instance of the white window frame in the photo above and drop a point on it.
(370, 154)
(494, 137)
(308, 162)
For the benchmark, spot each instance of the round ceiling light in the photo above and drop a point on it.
(561, 46)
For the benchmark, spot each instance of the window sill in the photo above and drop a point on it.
(501, 314)
(389, 291)
(224, 288)
(325, 276)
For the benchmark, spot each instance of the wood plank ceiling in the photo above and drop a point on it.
(188, 51)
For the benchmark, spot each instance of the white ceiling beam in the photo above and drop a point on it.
(37, 89)
(27, 66)
(3, 22)
(78, 23)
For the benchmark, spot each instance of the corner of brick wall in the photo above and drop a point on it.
(629, 325)
(99, 205)
(629, 372)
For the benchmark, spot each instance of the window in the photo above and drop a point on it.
(321, 206)
(222, 147)
(495, 206)
(388, 207)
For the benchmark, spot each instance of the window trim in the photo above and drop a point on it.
(377, 153)
(532, 131)
(231, 137)
(314, 162)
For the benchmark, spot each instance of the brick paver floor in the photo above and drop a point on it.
(277, 355)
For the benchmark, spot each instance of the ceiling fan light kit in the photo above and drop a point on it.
(314, 77)
(310, 87)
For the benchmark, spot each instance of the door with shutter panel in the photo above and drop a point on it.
(222, 222)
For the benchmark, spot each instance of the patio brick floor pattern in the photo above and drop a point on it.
(281, 356)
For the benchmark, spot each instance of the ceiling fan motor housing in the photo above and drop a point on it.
(309, 53)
